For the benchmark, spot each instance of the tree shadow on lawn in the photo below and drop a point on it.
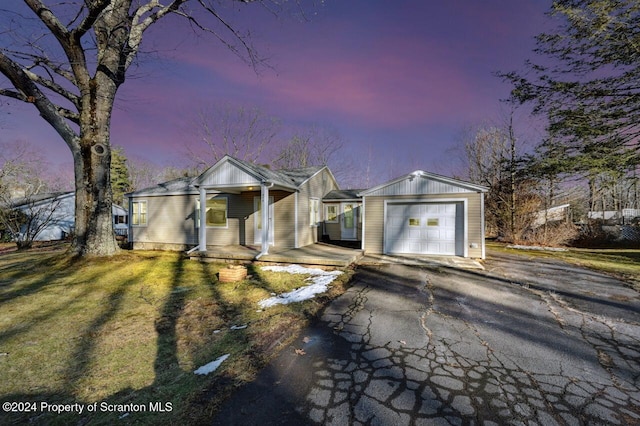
(166, 364)
(193, 398)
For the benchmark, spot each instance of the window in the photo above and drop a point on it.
(331, 213)
(433, 222)
(216, 213)
(414, 222)
(314, 211)
(139, 213)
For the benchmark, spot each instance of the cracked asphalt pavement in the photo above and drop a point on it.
(528, 341)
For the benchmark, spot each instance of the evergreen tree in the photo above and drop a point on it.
(120, 179)
(589, 85)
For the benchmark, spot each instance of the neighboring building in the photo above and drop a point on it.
(57, 212)
(560, 213)
(420, 213)
(615, 215)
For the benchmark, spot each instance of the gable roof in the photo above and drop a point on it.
(40, 199)
(239, 172)
(287, 178)
(421, 182)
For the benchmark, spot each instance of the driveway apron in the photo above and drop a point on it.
(407, 345)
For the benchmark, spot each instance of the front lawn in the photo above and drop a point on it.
(128, 333)
(621, 263)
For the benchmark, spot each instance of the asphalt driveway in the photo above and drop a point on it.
(524, 342)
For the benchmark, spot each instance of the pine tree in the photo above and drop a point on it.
(589, 85)
(120, 179)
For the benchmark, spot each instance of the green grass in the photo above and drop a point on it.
(621, 263)
(132, 329)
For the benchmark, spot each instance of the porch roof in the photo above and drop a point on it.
(343, 195)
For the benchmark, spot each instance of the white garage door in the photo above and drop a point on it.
(420, 228)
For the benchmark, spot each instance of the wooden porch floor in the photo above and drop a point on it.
(314, 254)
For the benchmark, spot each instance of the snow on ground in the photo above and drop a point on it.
(319, 283)
(212, 366)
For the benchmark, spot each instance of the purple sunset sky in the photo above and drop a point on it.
(397, 79)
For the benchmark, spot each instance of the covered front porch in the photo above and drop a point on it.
(314, 254)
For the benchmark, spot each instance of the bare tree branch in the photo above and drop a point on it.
(95, 8)
(31, 93)
(53, 86)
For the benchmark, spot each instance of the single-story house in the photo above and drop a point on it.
(223, 206)
(53, 215)
(419, 213)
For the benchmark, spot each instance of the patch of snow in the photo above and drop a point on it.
(521, 247)
(319, 283)
(297, 269)
(212, 366)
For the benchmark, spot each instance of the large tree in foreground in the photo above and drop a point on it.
(587, 81)
(68, 59)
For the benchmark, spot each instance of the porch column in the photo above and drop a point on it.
(202, 237)
(264, 195)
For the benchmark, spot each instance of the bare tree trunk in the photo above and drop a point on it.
(92, 162)
(94, 233)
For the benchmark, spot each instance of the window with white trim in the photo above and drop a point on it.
(215, 214)
(331, 213)
(314, 211)
(139, 213)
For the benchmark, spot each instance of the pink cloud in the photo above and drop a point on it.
(405, 82)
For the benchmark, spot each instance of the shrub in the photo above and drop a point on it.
(553, 235)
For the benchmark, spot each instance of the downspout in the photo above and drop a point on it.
(202, 237)
(129, 228)
(264, 193)
(482, 230)
(295, 219)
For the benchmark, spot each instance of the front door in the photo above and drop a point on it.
(348, 219)
(257, 220)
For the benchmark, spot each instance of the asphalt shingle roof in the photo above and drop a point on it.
(342, 194)
(182, 184)
(285, 177)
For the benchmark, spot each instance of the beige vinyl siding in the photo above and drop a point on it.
(316, 187)
(284, 212)
(374, 220)
(475, 225)
(170, 221)
(331, 229)
(241, 220)
(334, 231)
(236, 211)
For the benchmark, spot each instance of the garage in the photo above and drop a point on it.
(423, 213)
(424, 228)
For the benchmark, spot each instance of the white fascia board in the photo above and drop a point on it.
(419, 173)
(153, 194)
